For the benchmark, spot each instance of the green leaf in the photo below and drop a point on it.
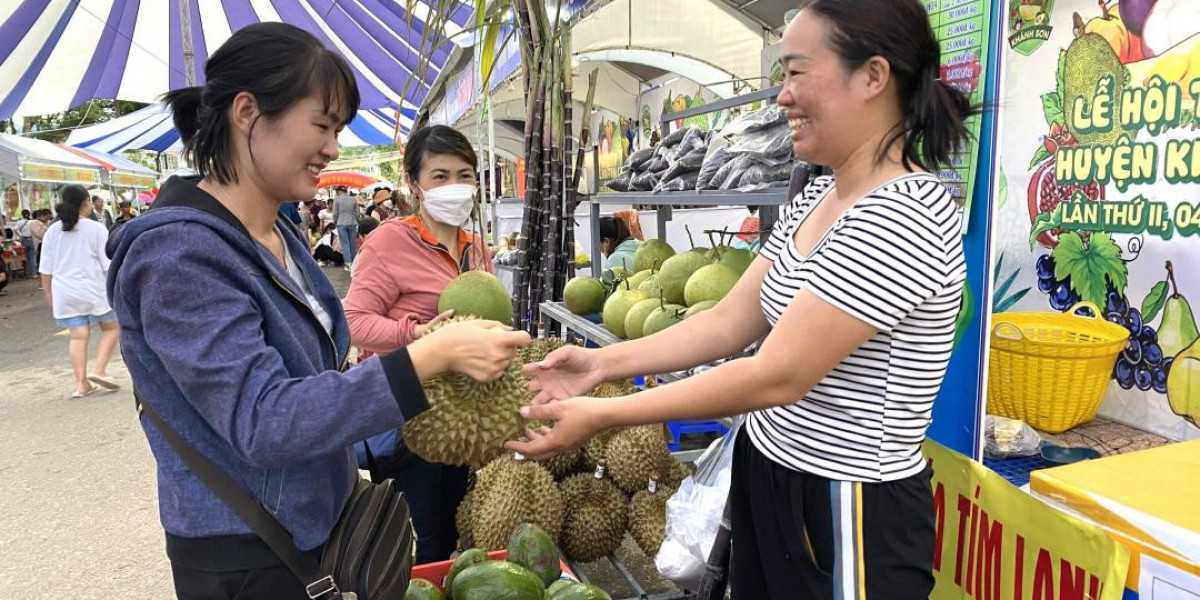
(996, 271)
(1003, 289)
(1045, 222)
(1052, 108)
(1007, 304)
(1039, 156)
(1091, 266)
(1154, 301)
(1002, 190)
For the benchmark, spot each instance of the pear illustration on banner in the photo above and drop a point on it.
(1183, 384)
(1178, 328)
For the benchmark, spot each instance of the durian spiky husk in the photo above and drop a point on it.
(673, 473)
(467, 421)
(614, 388)
(634, 455)
(595, 450)
(596, 517)
(510, 492)
(538, 349)
(462, 521)
(648, 519)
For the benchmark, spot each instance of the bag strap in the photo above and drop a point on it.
(317, 585)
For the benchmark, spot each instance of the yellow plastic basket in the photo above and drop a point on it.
(1049, 369)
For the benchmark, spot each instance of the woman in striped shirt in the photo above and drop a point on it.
(855, 297)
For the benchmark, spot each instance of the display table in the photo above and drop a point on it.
(1146, 501)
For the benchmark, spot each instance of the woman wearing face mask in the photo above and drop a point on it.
(399, 276)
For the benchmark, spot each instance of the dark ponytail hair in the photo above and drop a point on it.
(612, 228)
(900, 33)
(280, 64)
(73, 199)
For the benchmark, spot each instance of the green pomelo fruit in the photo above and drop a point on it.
(738, 259)
(699, 307)
(652, 286)
(636, 317)
(635, 280)
(468, 558)
(709, 283)
(617, 306)
(579, 591)
(532, 548)
(650, 253)
(675, 273)
(662, 318)
(420, 589)
(479, 294)
(498, 580)
(584, 295)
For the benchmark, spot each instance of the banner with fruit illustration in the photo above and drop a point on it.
(1098, 189)
(996, 542)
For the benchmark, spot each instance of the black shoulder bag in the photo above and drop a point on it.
(372, 547)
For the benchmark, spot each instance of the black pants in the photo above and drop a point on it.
(234, 567)
(800, 536)
(251, 584)
(434, 492)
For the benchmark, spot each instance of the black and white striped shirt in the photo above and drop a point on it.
(894, 260)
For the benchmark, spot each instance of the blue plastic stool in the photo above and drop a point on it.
(679, 429)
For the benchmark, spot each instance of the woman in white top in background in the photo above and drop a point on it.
(73, 269)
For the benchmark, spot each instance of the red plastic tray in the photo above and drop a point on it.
(435, 572)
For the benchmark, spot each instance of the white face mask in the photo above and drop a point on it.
(449, 204)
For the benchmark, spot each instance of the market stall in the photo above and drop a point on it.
(36, 169)
(123, 178)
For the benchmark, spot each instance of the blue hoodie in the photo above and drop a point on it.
(219, 341)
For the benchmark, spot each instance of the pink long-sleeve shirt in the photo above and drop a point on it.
(399, 274)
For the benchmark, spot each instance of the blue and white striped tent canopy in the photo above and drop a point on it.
(56, 54)
(152, 128)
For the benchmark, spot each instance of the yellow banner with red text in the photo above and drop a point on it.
(995, 542)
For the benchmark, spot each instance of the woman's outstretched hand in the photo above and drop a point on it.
(576, 420)
(565, 373)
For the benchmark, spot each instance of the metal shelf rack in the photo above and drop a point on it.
(768, 201)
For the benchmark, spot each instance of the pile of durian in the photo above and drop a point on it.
(587, 499)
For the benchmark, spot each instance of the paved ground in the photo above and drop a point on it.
(79, 517)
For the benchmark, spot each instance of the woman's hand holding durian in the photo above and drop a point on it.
(481, 350)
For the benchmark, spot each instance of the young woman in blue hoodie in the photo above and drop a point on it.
(233, 335)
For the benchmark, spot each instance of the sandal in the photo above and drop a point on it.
(104, 382)
(78, 395)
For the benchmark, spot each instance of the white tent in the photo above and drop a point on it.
(55, 54)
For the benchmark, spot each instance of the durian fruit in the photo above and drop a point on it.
(674, 472)
(596, 516)
(538, 349)
(595, 450)
(562, 465)
(614, 389)
(462, 521)
(511, 491)
(635, 454)
(648, 517)
(467, 421)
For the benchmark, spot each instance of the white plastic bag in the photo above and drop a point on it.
(1007, 438)
(694, 514)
